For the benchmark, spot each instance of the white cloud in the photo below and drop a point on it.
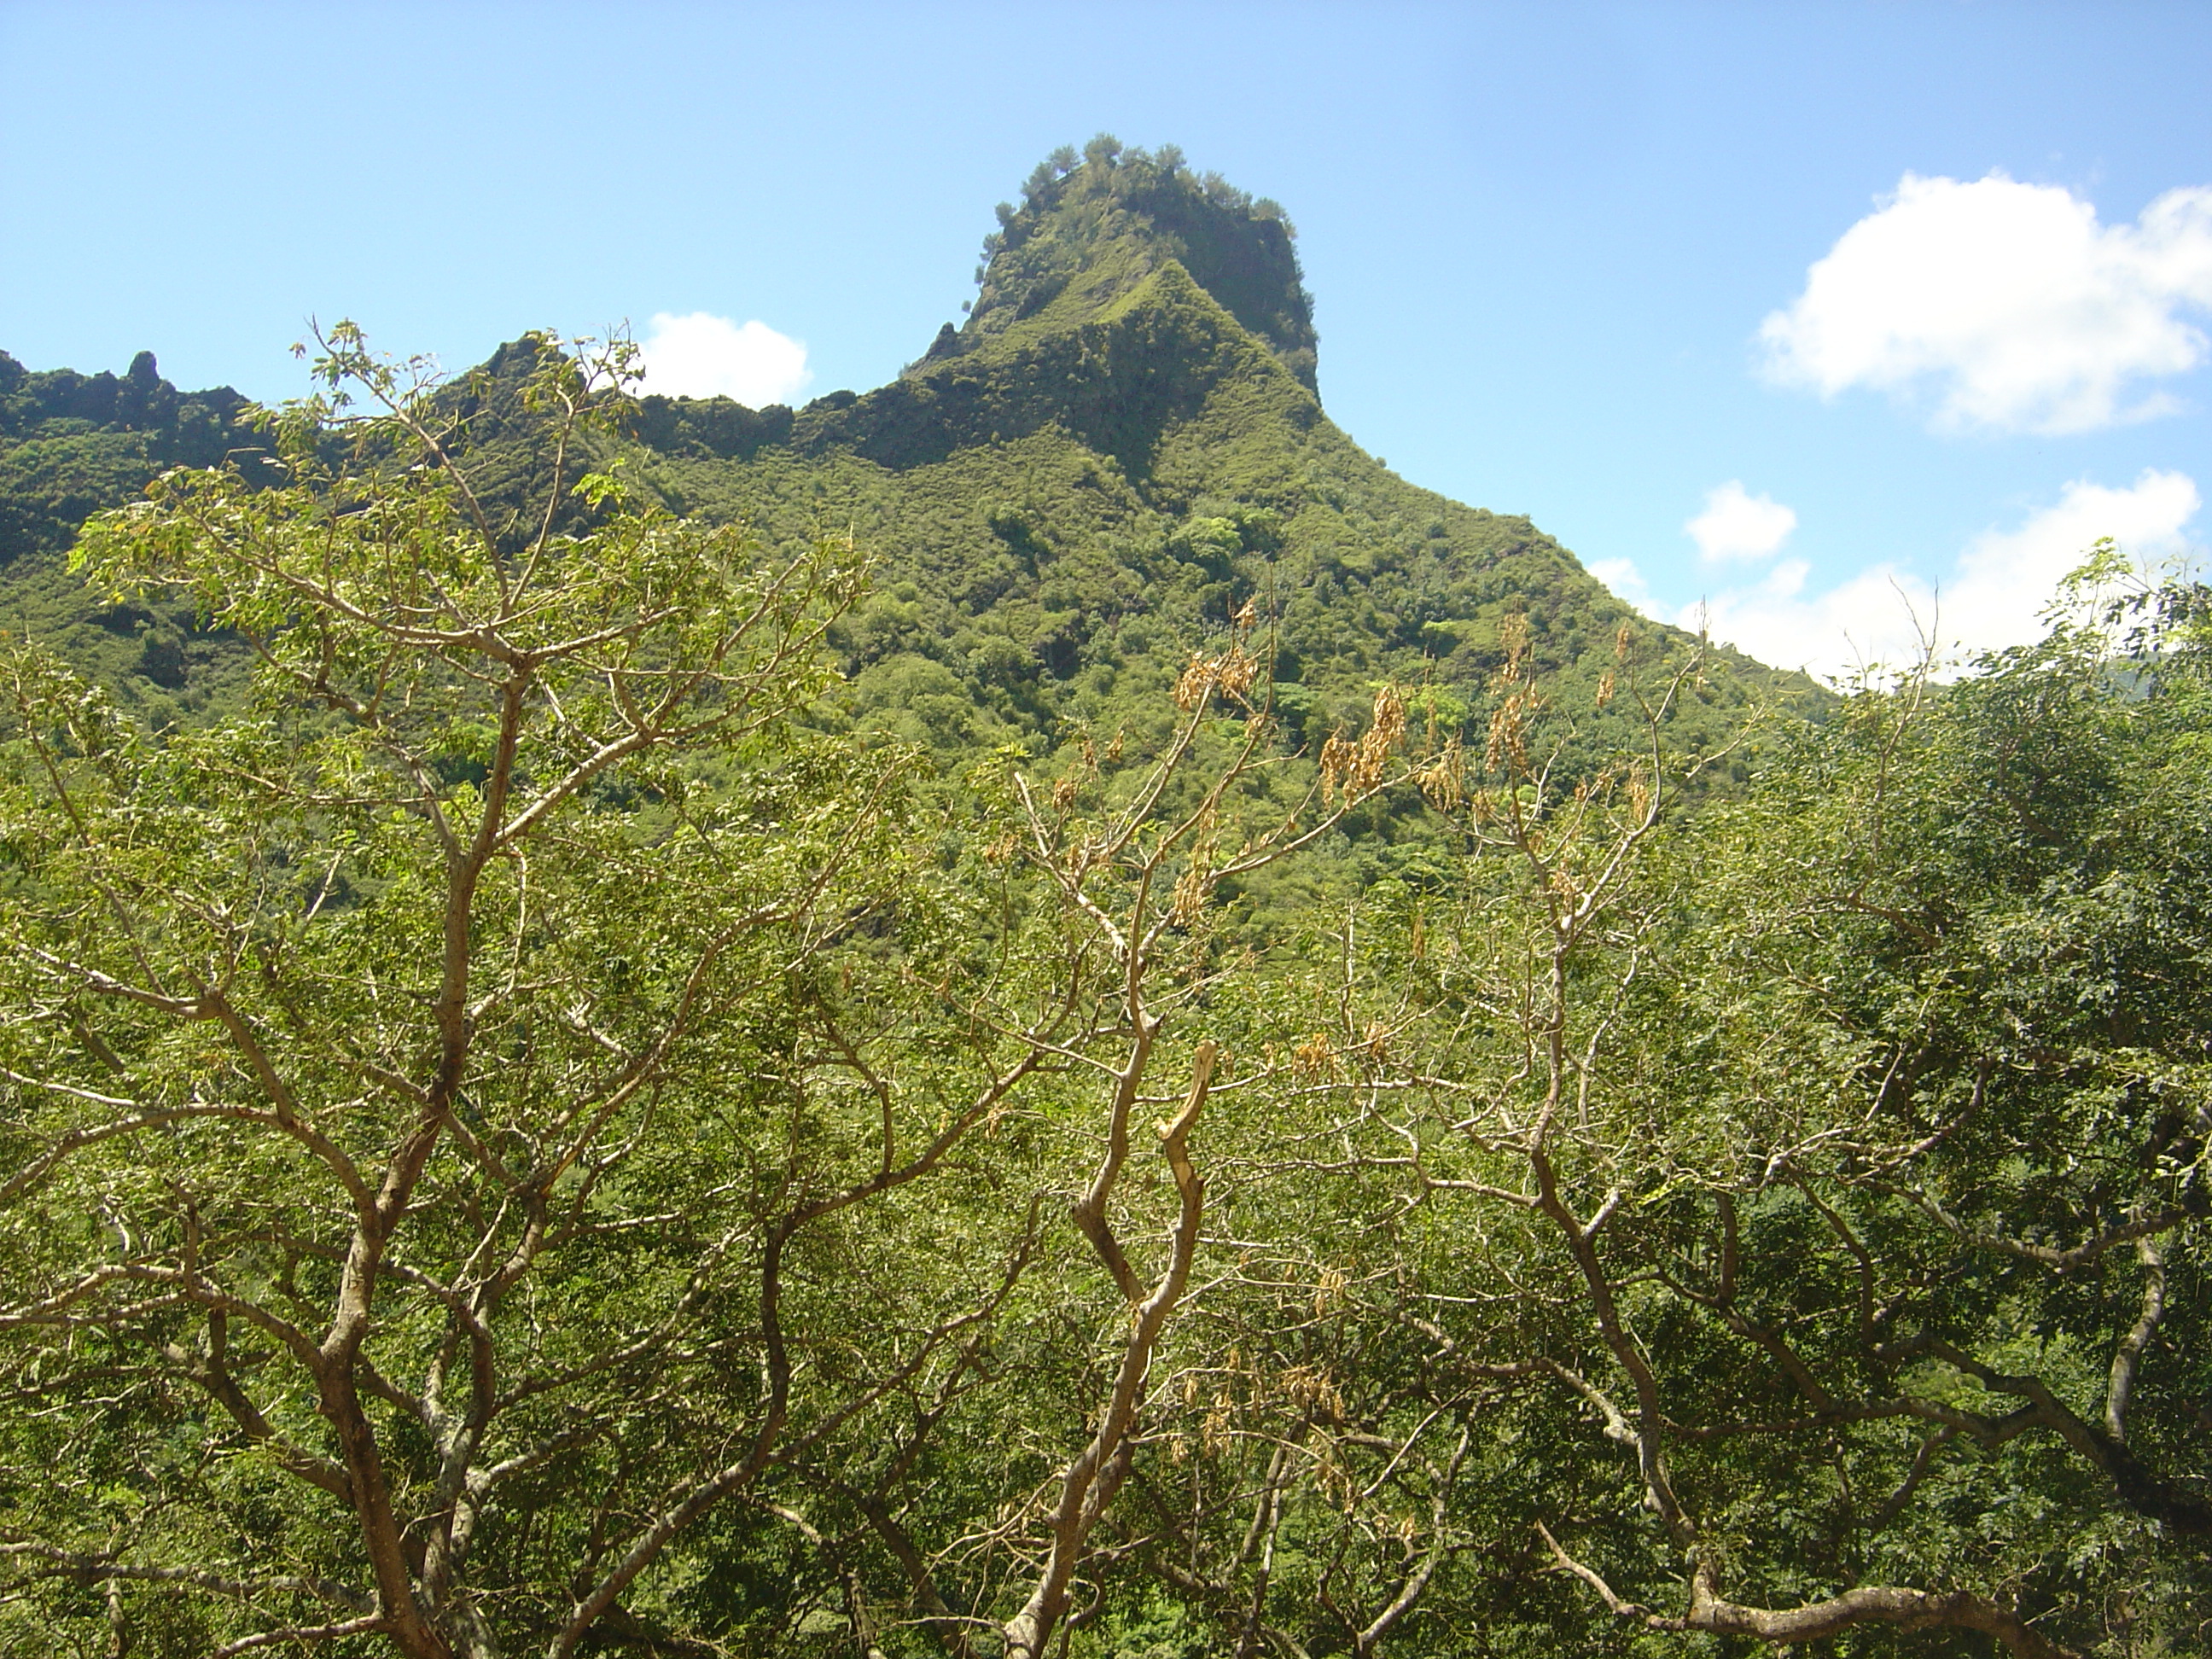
(1876, 616)
(2008, 302)
(703, 355)
(2005, 578)
(1625, 580)
(1735, 525)
(1992, 597)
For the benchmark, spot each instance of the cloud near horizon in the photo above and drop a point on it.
(1737, 525)
(702, 355)
(1993, 596)
(2007, 303)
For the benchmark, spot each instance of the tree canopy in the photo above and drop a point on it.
(539, 1132)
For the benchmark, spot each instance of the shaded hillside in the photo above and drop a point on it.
(72, 445)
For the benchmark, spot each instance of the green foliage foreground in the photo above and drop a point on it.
(532, 1140)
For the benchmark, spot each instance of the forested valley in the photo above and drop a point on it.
(1041, 1012)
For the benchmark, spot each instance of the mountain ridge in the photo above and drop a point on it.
(1120, 448)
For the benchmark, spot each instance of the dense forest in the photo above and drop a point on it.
(1039, 1013)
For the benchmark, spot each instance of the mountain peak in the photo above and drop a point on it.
(1090, 228)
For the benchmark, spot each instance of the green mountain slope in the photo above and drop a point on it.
(1119, 452)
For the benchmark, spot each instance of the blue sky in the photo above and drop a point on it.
(1563, 256)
